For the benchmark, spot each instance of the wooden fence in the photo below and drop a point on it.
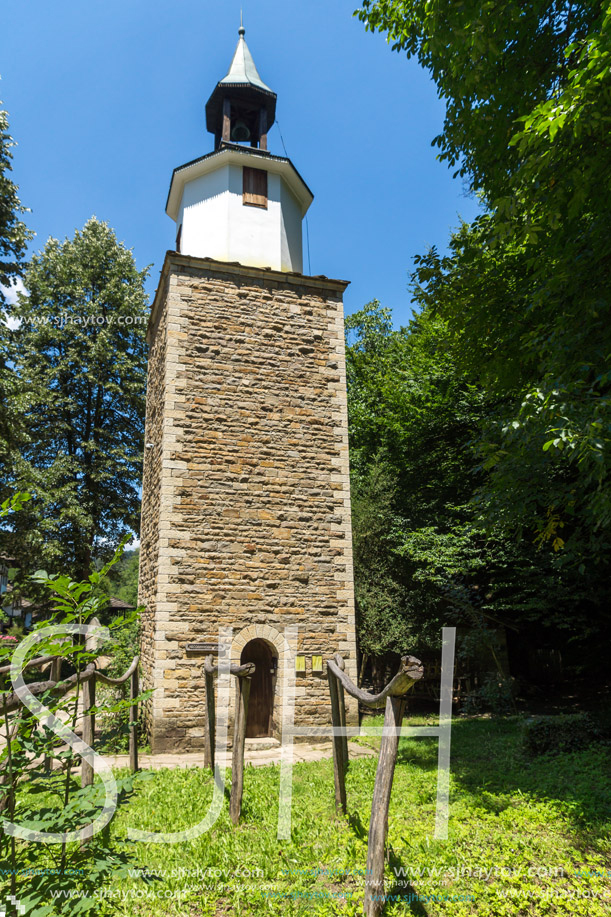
(392, 698)
(88, 678)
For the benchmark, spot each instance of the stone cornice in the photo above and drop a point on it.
(210, 266)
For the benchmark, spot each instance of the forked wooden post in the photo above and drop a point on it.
(134, 690)
(209, 669)
(378, 826)
(243, 675)
(242, 695)
(393, 696)
(88, 686)
(89, 678)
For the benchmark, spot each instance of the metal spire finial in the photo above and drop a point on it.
(241, 30)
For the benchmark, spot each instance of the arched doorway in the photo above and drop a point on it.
(261, 704)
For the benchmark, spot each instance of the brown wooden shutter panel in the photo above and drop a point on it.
(255, 187)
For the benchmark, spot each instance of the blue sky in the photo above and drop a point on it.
(106, 98)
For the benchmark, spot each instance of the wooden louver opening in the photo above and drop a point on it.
(255, 187)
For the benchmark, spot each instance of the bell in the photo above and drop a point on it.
(240, 132)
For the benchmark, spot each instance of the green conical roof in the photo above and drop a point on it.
(241, 85)
(243, 69)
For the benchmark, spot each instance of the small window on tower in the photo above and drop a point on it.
(255, 187)
(178, 238)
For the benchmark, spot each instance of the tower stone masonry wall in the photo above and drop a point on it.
(246, 494)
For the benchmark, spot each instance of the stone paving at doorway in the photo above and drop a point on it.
(258, 752)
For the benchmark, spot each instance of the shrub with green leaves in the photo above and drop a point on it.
(494, 694)
(39, 789)
(545, 735)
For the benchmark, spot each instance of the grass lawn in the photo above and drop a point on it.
(509, 815)
(550, 816)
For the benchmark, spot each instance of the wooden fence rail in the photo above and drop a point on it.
(131, 676)
(36, 663)
(243, 675)
(87, 679)
(393, 697)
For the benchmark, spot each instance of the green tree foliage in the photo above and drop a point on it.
(525, 289)
(122, 579)
(411, 417)
(423, 559)
(79, 358)
(498, 66)
(381, 606)
(13, 239)
(13, 232)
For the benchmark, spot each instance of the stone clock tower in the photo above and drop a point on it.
(246, 495)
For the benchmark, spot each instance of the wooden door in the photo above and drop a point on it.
(261, 703)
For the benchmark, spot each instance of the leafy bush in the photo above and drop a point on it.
(113, 721)
(59, 842)
(494, 694)
(124, 646)
(556, 734)
(112, 726)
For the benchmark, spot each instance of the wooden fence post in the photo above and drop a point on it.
(134, 690)
(378, 827)
(210, 737)
(342, 711)
(393, 695)
(91, 644)
(88, 728)
(242, 695)
(339, 768)
(55, 674)
(56, 669)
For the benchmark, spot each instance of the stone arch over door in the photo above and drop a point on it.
(279, 650)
